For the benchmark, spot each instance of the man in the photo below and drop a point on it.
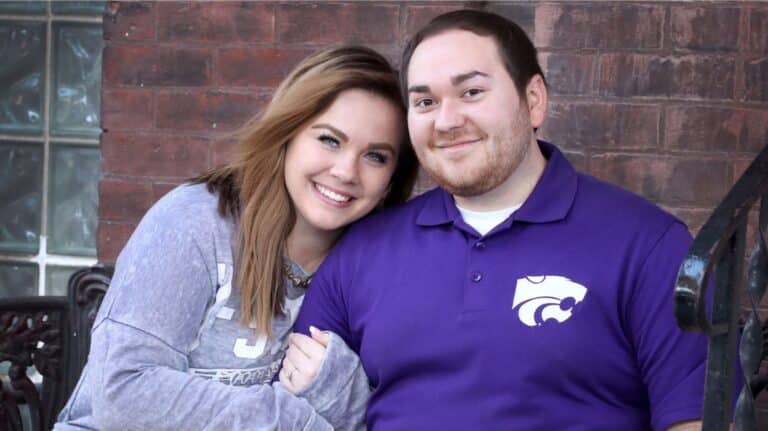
(519, 295)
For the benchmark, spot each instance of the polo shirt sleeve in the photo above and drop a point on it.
(324, 305)
(671, 361)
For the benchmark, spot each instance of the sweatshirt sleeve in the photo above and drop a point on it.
(142, 337)
(340, 391)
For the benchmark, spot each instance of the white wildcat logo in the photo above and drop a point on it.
(543, 298)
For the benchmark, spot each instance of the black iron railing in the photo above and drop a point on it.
(50, 334)
(716, 260)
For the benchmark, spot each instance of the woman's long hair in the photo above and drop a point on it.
(252, 188)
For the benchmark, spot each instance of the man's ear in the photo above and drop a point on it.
(536, 97)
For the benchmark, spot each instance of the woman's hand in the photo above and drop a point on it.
(303, 359)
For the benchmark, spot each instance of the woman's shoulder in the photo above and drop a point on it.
(188, 207)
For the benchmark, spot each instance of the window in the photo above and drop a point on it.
(50, 83)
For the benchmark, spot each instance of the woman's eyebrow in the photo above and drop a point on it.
(336, 131)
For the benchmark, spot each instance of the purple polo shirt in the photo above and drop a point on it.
(560, 318)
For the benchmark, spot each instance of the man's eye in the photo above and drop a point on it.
(329, 140)
(472, 92)
(377, 157)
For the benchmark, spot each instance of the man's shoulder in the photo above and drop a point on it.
(608, 202)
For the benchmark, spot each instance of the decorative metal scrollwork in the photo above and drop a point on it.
(752, 349)
(50, 335)
(716, 259)
(30, 336)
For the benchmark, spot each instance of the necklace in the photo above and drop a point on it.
(295, 279)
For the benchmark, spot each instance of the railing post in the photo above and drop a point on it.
(719, 250)
(722, 343)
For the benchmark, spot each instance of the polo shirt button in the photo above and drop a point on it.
(480, 245)
(476, 277)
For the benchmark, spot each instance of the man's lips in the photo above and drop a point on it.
(456, 145)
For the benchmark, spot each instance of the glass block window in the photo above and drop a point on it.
(50, 84)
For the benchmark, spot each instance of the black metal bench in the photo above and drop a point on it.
(50, 334)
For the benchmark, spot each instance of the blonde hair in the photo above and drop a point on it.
(252, 188)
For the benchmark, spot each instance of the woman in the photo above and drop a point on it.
(197, 318)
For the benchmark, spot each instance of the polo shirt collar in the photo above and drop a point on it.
(551, 199)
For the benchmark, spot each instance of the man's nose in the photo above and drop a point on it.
(449, 117)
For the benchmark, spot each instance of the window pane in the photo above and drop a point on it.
(78, 7)
(56, 279)
(73, 205)
(22, 48)
(17, 279)
(21, 178)
(22, 7)
(77, 80)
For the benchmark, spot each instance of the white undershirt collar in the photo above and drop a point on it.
(484, 221)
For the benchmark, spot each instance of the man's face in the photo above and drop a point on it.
(469, 126)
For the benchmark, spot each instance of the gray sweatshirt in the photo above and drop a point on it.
(168, 351)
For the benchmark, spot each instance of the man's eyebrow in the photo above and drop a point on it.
(336, 131)
(458, 79)
(455, 80)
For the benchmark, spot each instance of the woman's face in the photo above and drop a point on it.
(338, 167)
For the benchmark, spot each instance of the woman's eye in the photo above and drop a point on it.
(377, 158)
(329, 140)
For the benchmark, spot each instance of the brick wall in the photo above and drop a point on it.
(667, 99)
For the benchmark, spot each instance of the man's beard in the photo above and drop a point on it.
(500, 159)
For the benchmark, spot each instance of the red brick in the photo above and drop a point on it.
(671, 181)
(705, 28)
(715, 129)
(222, 151)
(523, 15)
(212, 110)
(578, 159)
(694, 218)
(417, 17)
(161, 189)
(756, 79)
(152, 65)
(569, 73)
(321, 23)
(216, 22)
(599, 26)
(738, 167)
(257, 67)
(758, 30)
(126, 109)
(129, 21)
(153, 154)
(111, 238)
(123, 200)
(600, 125)
(709, 77)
